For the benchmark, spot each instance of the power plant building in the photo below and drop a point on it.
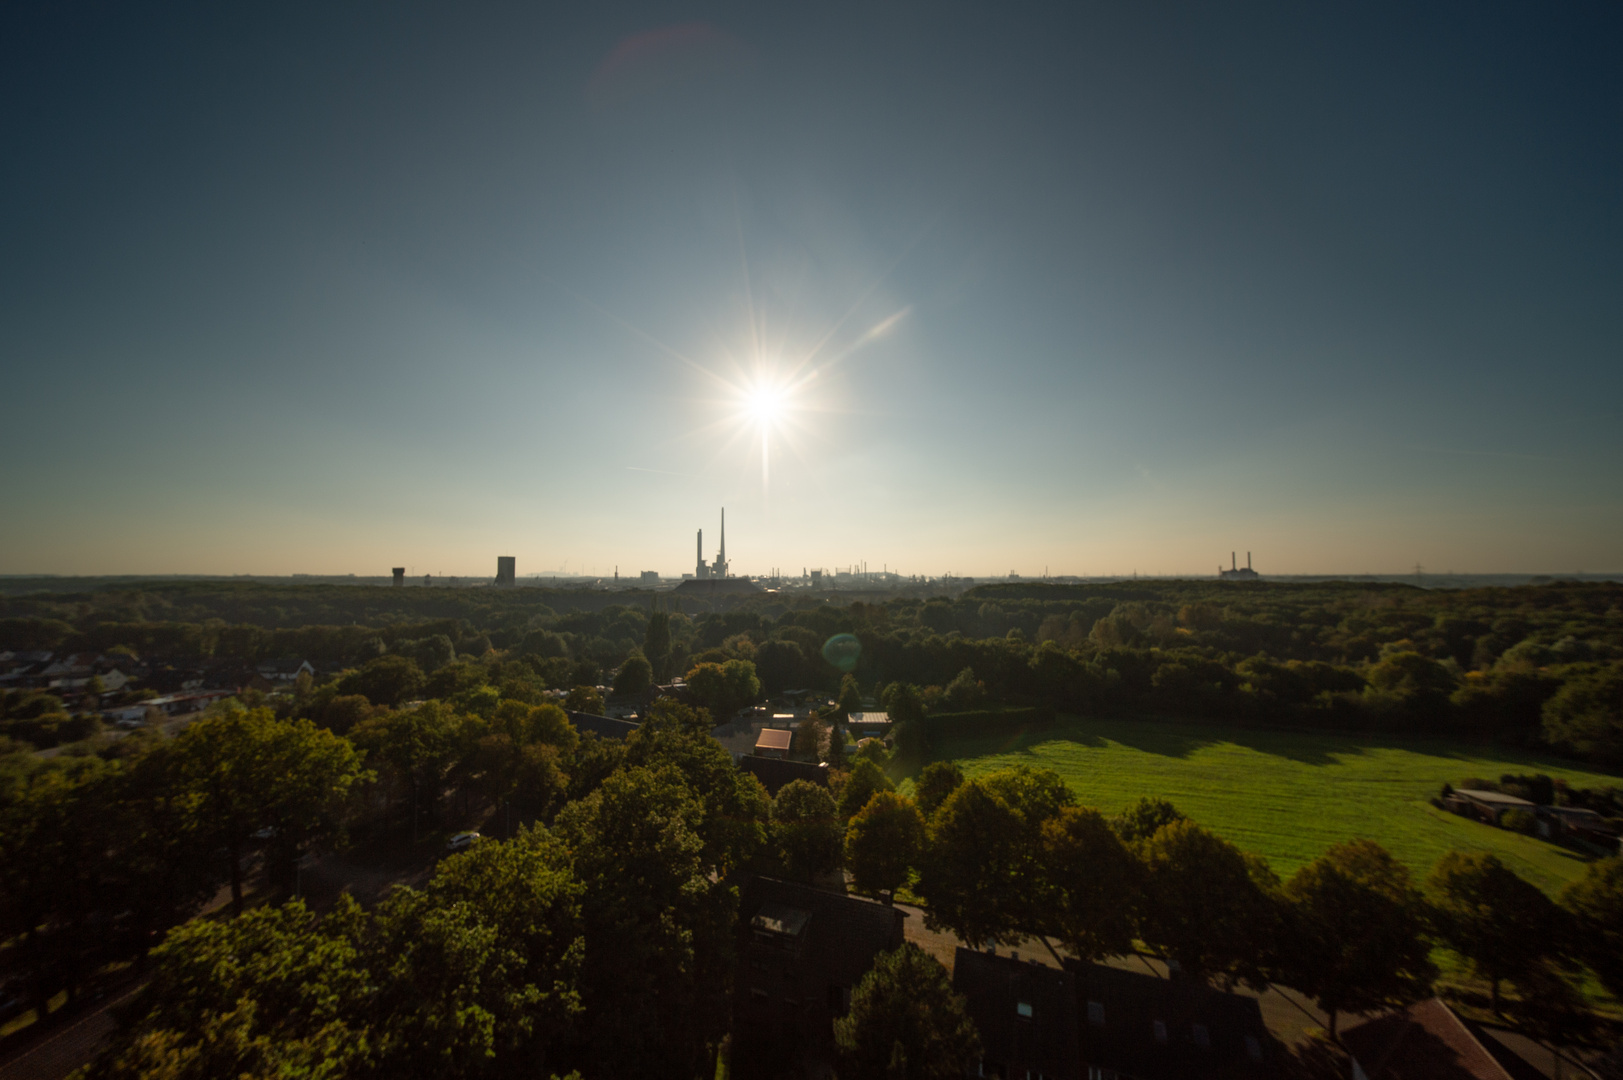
(506, 570)
(711, 580)
(1236, 572)
(704, 571)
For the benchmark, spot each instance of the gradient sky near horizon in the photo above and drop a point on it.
(330, 288)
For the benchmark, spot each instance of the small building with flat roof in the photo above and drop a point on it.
(862, 724)
(774, 743)
(1485, 805)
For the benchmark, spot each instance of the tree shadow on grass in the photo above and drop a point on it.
(1172, 737)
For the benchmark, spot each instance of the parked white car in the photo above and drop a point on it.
(462, 841)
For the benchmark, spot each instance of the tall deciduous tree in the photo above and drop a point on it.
(474, 976)
(420, 746)
(1144, 819)
(807, 829)
(736, 806)
(1506, 927)
(387, 680)
(250, 771)
(864, 781)
(906, 1023)
(1093, 883)
(658, 926)
(656, 643)
(1355, 932)
(1206, 905)
(586, 699)
(882, 843)
(1596, 903)
(971, 872)
(938, 780)
(634, 676)
(982, 872)
(724, 688)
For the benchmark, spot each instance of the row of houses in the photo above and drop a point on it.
(802, 951)
(68, 673)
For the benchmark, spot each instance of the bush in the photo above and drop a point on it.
(1522, 821)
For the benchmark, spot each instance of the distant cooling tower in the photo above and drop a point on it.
(506, 570)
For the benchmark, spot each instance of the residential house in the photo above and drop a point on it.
(1426, 1041)
(1486, 806)
(863, 725)
(1578, 823)
(18, 667)
(602, 726)
(801, 951)
(284, 672)
(1025, 1012)
(186, 702)
(776, 773)
(1138, 1026)
(112, 681)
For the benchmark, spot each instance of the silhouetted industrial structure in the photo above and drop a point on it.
(506, 570)
(1236, 571)
(705, 571)
(400, 577)
(712, 581)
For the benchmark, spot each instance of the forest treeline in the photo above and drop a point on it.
(1527, 665)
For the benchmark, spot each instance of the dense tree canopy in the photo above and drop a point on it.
(474, 976)
(1503, 925)
(906, 1023)
(883, 842)
(1206, 905)
(1596, 903)
(808, 830)
(1355, 934)
(1093, 884)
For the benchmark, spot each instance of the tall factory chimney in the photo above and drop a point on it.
(721, 556)
(698, 569)
(1248, 560)
(1234, 563)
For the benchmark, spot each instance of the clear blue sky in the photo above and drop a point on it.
(332, 288)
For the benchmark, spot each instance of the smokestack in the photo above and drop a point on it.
(721, 558)
(1234, 563)
(698, 569)
(1248, 560)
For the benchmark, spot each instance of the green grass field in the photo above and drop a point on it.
(1289, 795)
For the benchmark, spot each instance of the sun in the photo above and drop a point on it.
(766, 405)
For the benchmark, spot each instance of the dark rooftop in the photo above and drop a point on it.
(603, 726)
(776, 773)
(1025, 1012)
(1426, 1041)
(1170, 1029)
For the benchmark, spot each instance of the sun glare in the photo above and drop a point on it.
(765, 405)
